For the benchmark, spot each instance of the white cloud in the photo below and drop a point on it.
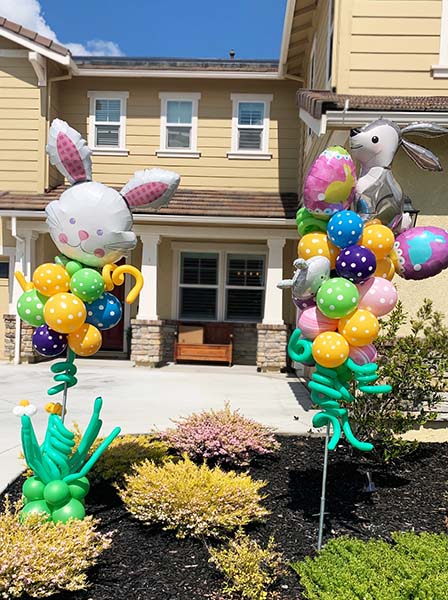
(29, 14)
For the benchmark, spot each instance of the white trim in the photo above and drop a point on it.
(180, 74)
(245, 155)
(7, 53)
(103, 95)
(110, 152)
(62, 59)
(39, 64)
(440, 70)
(316, 125)
(192, 97)
(286, 36)
(177, 154)
(266, 99)
(330, 36)
(219, 246)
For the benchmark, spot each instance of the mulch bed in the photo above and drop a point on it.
(149, 564)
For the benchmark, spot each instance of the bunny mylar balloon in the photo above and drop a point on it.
(91, 222)
(378, 194)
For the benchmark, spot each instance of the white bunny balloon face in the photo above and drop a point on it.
(92, 223)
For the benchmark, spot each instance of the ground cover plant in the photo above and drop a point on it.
(223, 437)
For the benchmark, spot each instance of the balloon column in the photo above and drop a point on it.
(346, 261)
(70, 302)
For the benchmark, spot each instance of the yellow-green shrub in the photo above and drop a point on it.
(248, 568)
(41, 558)
(192, 500)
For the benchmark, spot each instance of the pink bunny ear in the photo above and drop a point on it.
(68, 152)
(151, 187)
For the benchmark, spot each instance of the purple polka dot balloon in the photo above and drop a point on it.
(356, 263)
(303, 303)
(48, 342)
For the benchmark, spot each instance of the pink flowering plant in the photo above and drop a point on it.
(221, 437)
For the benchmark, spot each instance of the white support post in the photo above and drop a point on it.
(147, 308)
(273, 303)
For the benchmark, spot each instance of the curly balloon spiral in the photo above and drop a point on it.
(65, 372)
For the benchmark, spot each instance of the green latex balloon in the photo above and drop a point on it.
(57, 493)
(87, 284)
(33, 489)
(72, 510)
(30, 307)
(308, 223)
(79, 488)
(36, 507)
(337, 298)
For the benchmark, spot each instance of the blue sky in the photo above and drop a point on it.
(181, 28)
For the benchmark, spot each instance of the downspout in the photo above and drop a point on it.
(18, 332)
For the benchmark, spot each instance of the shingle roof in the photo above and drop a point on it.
(33, 36)
(207, 203)
(317, 103)
(176, 64)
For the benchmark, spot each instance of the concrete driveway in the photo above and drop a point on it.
(140, 400)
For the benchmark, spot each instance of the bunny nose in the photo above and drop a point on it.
(354, 132)
(83, 235)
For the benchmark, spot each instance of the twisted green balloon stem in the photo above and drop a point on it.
(65, 372)
(299, 350)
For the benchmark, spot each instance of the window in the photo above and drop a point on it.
(330, 36)
(250, 126)
(179, 124)
(4, 270)
(221, 286)
(107, 122)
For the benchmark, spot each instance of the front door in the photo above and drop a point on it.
(113, 338)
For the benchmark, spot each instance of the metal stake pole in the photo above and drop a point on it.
(64, 402)
(323, 492)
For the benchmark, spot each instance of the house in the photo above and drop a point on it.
(216, 252)
(358, 60)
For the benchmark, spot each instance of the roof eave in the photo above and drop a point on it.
(286, 36)
(62, 59)
(86, 72)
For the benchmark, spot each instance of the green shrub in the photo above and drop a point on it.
(414, 365)
(192, 500)
(41, 558)
(413, 568)
(248, 568)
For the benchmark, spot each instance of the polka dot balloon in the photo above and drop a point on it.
(330, 349)
(378, 238)
(337, 298)
(356, 263)
(302, 303)
(317, 244)
(65, 313)
(30, 307)
(345, 228)
(87, 284)
(360, 328)
(385, 268)
(48, 342)
(377, 295)
(50, 279)
(105, 312)
(85, 341)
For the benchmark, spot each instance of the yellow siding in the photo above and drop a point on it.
(213, 170)
(320, 25)
(387, 47)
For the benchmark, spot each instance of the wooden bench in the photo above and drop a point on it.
(209, 342)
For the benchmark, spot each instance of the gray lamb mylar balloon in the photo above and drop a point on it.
(379, 196)
(308, 277)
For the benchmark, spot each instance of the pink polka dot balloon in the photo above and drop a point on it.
(312, 323)
(378, 295)
(363, 355)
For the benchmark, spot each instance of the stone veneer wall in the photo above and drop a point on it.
(272, 347)
(245, 343)
(152, 342)
(26, 355)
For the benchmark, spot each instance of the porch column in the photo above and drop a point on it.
(273, 302)
(147, 307)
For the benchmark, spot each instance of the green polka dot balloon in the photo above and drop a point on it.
(337, 298)
(30, 307)
(87, 284)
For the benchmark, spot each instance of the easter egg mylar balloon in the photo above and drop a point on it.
(359, 328)
(30, 307)
(330, 182)
(50, 279)
(337, 298)
(421, 252)
(317, 244)
(330, 349)
(64, 312)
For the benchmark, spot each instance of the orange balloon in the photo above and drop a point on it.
(330, 349)
(377, 238)
(360, 328)
(317, 244)
(86, 340)
(64, 312)
(385, 268)
(50, 279)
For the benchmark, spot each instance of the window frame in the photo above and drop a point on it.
(227, 286)
(223, 251)
(121, 149)
(181, 285)
(263, 153)
(163, 150)
(440, 71)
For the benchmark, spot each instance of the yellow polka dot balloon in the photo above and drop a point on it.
(385, 268)
(360, 328)
(65, 312)
(50, 279)
(317, 244)
(377, 238)
(330, 349)
(85, 341)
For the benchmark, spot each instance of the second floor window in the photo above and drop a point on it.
(250, 126)
(107, 121)
(179, 124)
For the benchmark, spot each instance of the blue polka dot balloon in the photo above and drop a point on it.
(105, 312)
(345, 228)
